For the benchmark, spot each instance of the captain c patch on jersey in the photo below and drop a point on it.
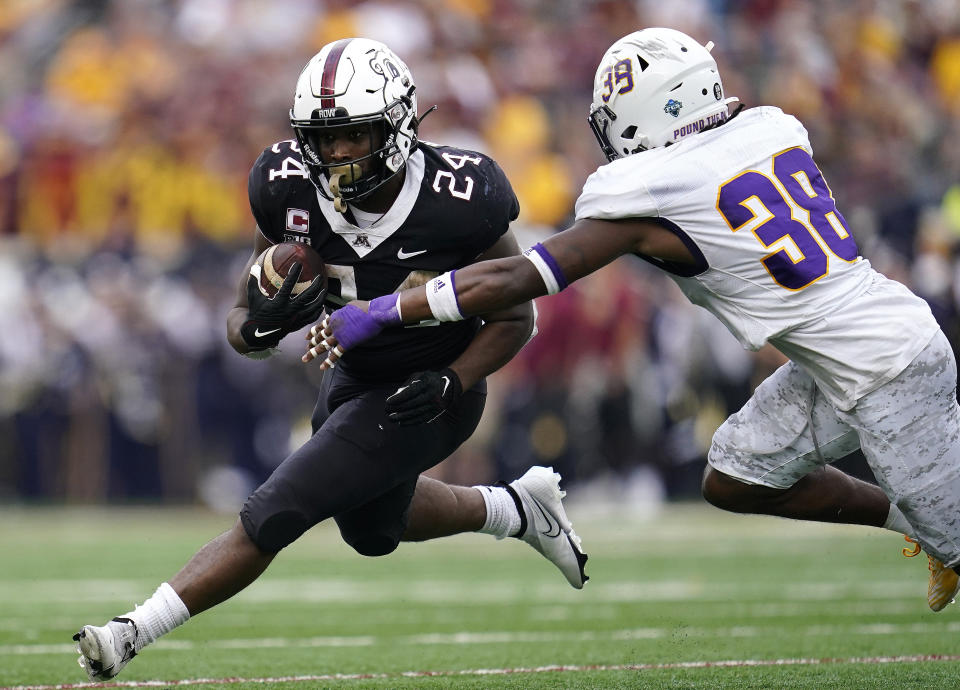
(298, 221)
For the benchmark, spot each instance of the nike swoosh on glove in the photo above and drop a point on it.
(269, 319)
(423, 397)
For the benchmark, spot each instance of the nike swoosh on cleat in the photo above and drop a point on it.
(553, 527)
(257, 333)
(406, 255)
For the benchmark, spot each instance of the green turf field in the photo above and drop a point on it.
(780, 604)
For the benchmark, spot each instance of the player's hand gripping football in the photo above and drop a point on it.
(423, 397)
(351, 325)
(269, 319)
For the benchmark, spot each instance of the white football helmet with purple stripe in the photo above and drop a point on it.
(654, 87)
(356, 81)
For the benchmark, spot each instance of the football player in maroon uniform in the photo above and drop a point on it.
(386, 212)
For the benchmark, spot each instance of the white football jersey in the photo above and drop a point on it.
(778, 262)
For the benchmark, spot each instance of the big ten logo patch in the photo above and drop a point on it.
(298, 221)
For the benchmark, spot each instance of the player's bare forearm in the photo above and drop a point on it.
(578, 251)
(499, 284)
(481, 288)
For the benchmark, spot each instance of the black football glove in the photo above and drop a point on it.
(269, 319)
(423, 397)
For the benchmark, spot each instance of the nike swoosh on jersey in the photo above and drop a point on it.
(406, 255)
(553, 527)
(257, 333)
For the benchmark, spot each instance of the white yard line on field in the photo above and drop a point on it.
(505, 637)
(551, 612)
(727, 663)
(342, 591)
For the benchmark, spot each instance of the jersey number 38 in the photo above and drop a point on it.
(762, 203)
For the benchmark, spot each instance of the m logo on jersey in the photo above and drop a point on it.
(673, 108)
(298, 220)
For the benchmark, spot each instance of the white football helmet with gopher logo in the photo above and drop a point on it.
(355, 81)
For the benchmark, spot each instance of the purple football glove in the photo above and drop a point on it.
(350, 325)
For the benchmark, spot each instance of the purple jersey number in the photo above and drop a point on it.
(802, 182)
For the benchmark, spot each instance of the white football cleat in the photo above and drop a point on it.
(544, 524)
(104, 651)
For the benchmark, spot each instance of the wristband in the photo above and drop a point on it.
(442, 298)
(547, 267)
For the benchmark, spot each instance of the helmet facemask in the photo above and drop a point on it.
(355, 179)
(602, 121)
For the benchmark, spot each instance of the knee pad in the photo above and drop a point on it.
(372, 544)
(275, 532)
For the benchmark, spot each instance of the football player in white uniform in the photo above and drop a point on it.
(734, 208)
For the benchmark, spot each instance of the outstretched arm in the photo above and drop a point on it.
(578, 251)
(487, 286)
(582, 249)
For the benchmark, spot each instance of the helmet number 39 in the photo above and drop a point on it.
(621, 72)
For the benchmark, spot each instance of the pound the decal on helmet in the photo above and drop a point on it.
(697, 125)
(673, 107)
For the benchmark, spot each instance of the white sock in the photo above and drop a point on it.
(158, 615)
(896, 522)
(503, 519)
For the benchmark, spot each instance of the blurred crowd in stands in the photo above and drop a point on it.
(127, 128)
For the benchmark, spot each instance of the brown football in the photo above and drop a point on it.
(275, 263)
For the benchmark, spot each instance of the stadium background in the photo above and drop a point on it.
(127, 128)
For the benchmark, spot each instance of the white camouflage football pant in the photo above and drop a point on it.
(908, 429)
